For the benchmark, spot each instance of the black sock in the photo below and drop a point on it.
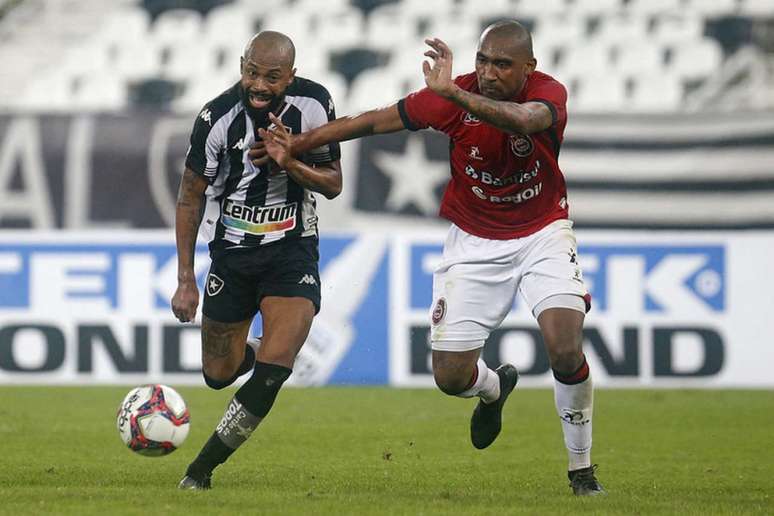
(247, 364)
(247, 408)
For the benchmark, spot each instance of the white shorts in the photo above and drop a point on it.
(476, 282)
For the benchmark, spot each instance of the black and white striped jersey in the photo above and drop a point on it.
(246, 205)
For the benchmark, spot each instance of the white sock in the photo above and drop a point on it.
(575, 405)
(486, 386)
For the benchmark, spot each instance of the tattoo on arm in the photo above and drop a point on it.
(188, 216)
(505, 115)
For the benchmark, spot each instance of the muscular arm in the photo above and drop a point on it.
(188, 216)
(511, 117)
(375, 121)
(325, 179)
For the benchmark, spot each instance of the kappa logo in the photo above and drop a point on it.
(330, 106)
(214, 285)
(206, 115)
(439, 312)
(307, 279)
(521, 145)
(470, 119)
(240, 144)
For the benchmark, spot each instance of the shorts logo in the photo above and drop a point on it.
(521, 145)
(471, 120)
(439, 312)
(214, 285)
(307, 279)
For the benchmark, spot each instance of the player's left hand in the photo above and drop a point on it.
(278, 141)
(438, 77)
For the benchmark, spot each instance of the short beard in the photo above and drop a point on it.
(260, 117)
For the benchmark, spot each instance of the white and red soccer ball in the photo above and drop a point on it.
(153, 420)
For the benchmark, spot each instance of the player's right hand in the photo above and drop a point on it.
(257, 153)
(185, 301)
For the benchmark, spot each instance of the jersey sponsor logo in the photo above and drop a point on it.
(470, 119)
(521, 145)
(307, 279)
(517, 198)
(439, 312)
(214, 285)
(488, 178)
(259, 220)
(206, 115)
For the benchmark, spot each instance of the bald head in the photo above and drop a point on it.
(272, 47)
(509, 36)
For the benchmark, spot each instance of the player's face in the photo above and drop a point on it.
(264, 82)
(501, 72)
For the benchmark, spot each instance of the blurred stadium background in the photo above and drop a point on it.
(669, 156)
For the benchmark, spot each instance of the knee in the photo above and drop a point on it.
(566, 360)
(450, 381)
(217, 375)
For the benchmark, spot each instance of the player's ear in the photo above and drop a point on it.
(530, 66)
(291, 76)
(241, 65)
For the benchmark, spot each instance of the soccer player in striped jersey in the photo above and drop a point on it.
(262, 227)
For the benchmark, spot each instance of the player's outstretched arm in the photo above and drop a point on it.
(280, 147)
(375, 121)
(188, 216)
(511, 117)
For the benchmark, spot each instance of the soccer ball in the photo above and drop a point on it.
(153, 420)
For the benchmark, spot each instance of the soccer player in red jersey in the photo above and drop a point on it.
(510, 231)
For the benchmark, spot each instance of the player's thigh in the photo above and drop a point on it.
(551, 271)
(223, 345)
(469, 301)
(286, 324)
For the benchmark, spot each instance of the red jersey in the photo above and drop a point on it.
(503, 185)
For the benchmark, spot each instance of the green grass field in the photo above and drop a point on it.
(382, 451)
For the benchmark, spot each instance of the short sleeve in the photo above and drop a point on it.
(204, 151)
(322, 112)
(425, 108)
(554, 96)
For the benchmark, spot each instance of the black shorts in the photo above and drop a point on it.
(240, 278)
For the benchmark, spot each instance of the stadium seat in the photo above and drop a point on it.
(559, 31)
(39, 95)
(336, 86)
(621, 29)
(226, 24)
(539, 8)
(591, 93)
(339, 29)
(672, 29)
(455, 31)
(183, 59)
(639, 57)
(696, 60)
(656, 93)
(296, 23)
(711, 9)
(596, 7)
(374, 88)
(99, 92)
(135, 60)
(654, 7)
(388, 27)
(757, 8)
(121, 25)
(176, 25)
(477, 11)
(424, 8)
(593, 59)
